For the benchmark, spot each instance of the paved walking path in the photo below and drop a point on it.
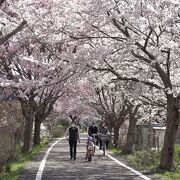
(57, 166)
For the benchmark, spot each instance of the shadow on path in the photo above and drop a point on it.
(59, 167)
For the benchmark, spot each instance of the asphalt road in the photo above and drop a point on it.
(58, 166)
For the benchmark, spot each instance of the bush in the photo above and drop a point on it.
(116, 151)
(148, 159)
(64, 123)
(58, 130)
(177, 158)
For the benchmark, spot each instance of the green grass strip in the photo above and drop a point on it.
(149, 160)
(15, 168)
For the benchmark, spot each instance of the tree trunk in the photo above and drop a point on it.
(167, 153)
(110, 131)
(37, 131)
(127, 149)
(28, 113)
(116, 135)
(28, 134)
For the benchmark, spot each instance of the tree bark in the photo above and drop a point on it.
(28, 113)
(40, 116)
(167, 153)
(28, 134)
(110, 131)
(37, 131)
(127, 149)
(116, 135)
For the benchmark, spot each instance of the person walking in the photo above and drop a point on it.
(72, 135)
(93, 132)
(104, 131)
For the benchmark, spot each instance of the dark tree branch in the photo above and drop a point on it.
(159, 70)
(112, 37)
(15, 31)
(160, 104)
(152, 57)
(118, 26)
(168, 52)
(147, 39)
(96, 37)
(137, 80)
(1, 2)
(126, 78)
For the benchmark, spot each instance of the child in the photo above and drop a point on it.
(89, 143)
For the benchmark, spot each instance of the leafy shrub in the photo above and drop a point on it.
(148, 159)
(64, 123)
(58, 130)
(177, 158)
(116, 151)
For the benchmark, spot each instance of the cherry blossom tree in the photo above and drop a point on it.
(33, 63)
(109, 104)
(134, 41)
(72, 102)
(138, 41)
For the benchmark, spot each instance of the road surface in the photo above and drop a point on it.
(54, 164)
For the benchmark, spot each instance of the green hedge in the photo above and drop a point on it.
(58, 130)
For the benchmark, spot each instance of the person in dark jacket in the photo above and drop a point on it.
(104, 131)
(93, 129)
(72, 135)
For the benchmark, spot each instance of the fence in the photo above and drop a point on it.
(149, 137)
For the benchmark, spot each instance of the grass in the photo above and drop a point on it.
(169, 175)
(145, 159)
(176, 174)
(149, 160)
(13, 170)
(116, 151)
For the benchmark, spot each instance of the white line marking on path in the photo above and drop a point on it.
(127, 167)
(43, 162)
